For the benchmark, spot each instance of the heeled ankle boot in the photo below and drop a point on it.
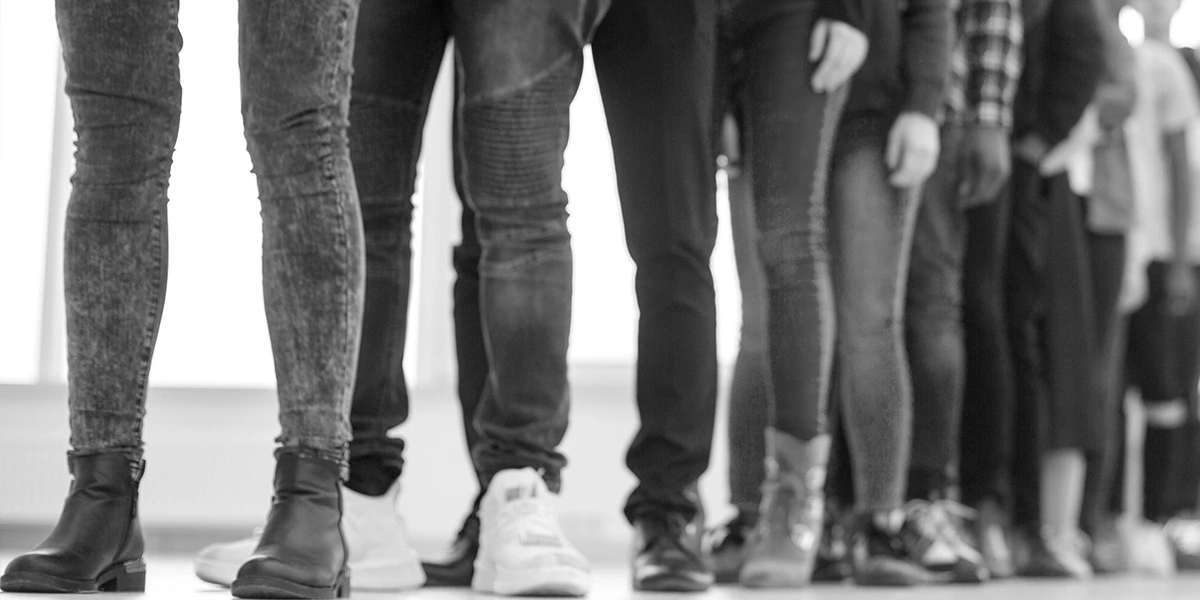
(302, 552)
(784, 547)
(97, 544)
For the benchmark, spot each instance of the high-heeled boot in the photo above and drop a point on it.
(302, 552)
(784, 547)
(97, 544)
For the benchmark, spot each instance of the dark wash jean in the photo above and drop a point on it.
(122, 62)
(778, 215)
(519, 65)
(957, 341)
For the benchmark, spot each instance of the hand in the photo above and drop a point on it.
(1031, 149)
(912, 150)
(984, 165)
(838, 50)
(1181, 289)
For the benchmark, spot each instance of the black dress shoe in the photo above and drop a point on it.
(302, 553)
(667, 554)
(458, 566)
(97, 544)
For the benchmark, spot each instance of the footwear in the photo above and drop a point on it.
(302, 552)
(729, 547)
(783, 549)
(833, 556)
(667, 554)
(1057, 555)
(1109, 554)
(522, 550)
(886, 555)
(941, 547)
(457, 568)
(381, 556)
(1184, 535)
(97, 544)
(991, 540)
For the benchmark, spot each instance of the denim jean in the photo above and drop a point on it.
(519, 65)
(654, 66)
(123, 81)
(788, 133)
(389, 103)
(872, 225)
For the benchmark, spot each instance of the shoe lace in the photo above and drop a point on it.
(1066, 544)
(734, 531)
(942, 520)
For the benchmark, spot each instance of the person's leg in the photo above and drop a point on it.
(748, 393)
(933, 328)
(397, 56)
(1107, 253)
(296, 62)
(872, 225)
(986, 434)
(791, 132)
(122, 68)
(520, 64)
(655, 66)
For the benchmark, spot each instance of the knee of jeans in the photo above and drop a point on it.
(864, 319)
(512, 145)
(791, 257)
(286, 139)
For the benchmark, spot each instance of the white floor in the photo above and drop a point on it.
(170, 577)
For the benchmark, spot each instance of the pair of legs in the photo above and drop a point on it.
(778, 431)
(123, 82)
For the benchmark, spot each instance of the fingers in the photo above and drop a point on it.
(916, 164)
(895, 147)
(842, 52)
(820, 37)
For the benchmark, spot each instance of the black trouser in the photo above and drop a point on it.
(985, 441)
(654, 63)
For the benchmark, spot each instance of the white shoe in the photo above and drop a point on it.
(381, 556)
(522, 550)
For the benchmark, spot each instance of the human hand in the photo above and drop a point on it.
(1181, 288)
(912, 150)
(984, 165)
(838, 50)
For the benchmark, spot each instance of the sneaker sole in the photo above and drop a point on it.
(564, 582)
(775, 574)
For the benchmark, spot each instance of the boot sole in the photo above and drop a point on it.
(282, 589)
(125, 577)
(674, 582)
(397, 576)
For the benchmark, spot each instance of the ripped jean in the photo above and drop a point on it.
(519, 64)
(122, 64)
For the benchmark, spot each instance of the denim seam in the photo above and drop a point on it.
(506, 91)
(818, 246)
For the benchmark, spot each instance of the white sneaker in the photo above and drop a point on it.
(381, 556)
(522, 550)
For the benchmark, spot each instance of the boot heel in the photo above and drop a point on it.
(343, 586)
(125, 577)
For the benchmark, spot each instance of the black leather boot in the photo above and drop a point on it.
(97, 544)
(302, 553)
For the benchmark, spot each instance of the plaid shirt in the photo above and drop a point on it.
(986, 63)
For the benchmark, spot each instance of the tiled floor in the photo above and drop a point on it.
(171, 578)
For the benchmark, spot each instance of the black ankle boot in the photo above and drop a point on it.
(302, 553)
(97, 544)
